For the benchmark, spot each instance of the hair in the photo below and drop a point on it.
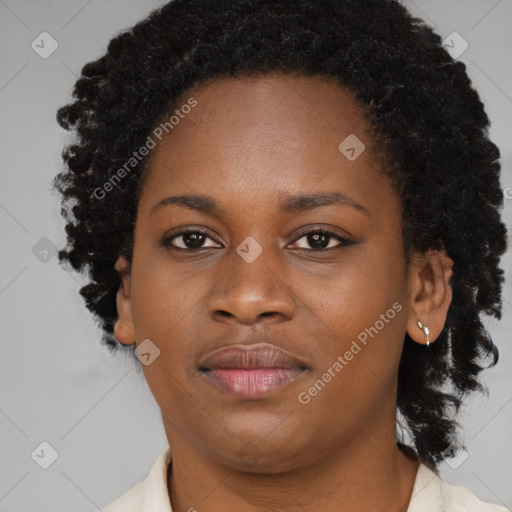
(421, 106)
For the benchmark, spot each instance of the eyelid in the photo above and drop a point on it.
(344, 240)
(325, 228)
(168, 238)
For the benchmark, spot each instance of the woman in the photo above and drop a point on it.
(289, 211)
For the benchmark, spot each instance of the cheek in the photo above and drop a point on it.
(366, 288)
(356, 374)
(163, 296)
(166, 308)
(365, 305)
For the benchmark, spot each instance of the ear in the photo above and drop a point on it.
(124, 328)
(430, 294)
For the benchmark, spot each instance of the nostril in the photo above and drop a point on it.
(225, 313)
(268, 314)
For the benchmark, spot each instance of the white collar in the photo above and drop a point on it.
(430, 493)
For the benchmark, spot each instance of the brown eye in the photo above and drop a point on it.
(320, 240)
(188, 240)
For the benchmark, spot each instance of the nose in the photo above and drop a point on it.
(251, 294)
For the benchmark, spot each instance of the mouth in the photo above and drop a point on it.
(251, 372)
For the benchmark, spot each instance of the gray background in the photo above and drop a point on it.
(58, 385)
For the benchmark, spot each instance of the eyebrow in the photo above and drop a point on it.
(287, 204)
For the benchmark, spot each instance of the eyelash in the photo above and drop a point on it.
(167, 242)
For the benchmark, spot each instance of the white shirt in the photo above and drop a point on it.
(430, 494)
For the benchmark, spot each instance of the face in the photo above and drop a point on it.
(288, 253)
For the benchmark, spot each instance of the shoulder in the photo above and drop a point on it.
(462, 499)
(431, 493)
(150, 494)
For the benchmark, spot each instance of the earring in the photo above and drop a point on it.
(424, 328)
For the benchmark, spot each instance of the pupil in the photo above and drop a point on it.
(194, 240)
(317, 240)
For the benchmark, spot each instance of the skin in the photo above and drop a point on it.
(247, 144)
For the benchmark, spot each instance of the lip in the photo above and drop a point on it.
(251, 372)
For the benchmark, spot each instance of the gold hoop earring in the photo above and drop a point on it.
(424, 328)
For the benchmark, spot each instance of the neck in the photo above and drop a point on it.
(369, 474)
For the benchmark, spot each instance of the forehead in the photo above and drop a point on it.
(285, 92)
(289, 103)
(270, 131)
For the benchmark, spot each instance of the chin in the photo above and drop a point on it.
(267, 447)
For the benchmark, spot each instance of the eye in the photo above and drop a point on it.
(322, 239)
(188, 240)
(195, 239)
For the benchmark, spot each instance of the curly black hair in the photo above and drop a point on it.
(419, 102)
